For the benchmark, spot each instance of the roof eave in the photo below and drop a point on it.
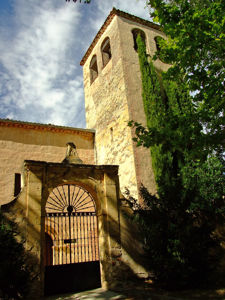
(45, 127)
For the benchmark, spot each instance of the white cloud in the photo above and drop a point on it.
(41, 44)
(39, 71)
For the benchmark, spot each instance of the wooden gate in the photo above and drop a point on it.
(71, 241)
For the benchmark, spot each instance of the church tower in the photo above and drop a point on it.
(113, 96)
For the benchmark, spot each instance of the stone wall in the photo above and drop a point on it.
(114, 98)
(23, 141)
(107, 111)
(132, 78)
(119, 249)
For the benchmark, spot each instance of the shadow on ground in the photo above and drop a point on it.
(142, 292)
(99, 294)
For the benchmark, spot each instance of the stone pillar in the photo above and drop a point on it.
(34, 224)
(112, 227)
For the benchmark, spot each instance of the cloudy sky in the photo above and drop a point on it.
(41, 45)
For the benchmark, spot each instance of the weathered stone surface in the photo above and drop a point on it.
(41, 179)
(114, 98)
(107, 111)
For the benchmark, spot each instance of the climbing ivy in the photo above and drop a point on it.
(172, 123)
(179, 223)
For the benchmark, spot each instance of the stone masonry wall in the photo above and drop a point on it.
(18, 144)
(132, 78)
(107, 111)
(114, 98)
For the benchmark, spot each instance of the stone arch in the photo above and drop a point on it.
(93, 69)
(59, 195)
(135, 33)
(71, 218)
(158, 48)
(88, 184)
(103, 184)
(106, 51)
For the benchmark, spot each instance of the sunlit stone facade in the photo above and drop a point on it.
(36, 167)
(115, 97)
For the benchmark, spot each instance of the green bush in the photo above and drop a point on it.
(178, 226)
(14, 273)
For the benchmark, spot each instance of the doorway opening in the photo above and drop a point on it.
(71, 241)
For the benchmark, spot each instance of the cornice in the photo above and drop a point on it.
(120, 13)
(46, 127)
(34, 163)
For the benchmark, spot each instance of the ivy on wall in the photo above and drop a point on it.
(172, 125)
(180, 221)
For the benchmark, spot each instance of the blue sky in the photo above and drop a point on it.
(41, 45)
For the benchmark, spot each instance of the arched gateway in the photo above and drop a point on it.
(71, 240)
(77, 234)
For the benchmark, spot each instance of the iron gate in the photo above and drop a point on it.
(71, 241)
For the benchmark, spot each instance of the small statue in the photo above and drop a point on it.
(71, 155)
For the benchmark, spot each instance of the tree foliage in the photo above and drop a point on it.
(179, 231)
(15, 275)
(178, 223)
(196, 49)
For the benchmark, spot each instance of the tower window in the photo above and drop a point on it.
(135, 33)
(17, 184)
(93, 68)
(106, 51)
(161, 56)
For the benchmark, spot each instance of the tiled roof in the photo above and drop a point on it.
(115, 12)
(45, 127)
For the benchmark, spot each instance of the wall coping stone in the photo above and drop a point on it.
(37, 163)
(46, 127)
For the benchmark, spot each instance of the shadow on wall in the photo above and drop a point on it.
(121, 257)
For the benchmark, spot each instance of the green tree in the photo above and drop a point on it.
(178, 224)
(196, 49)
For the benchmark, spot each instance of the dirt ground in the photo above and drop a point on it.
(147, 291)
(144, 291)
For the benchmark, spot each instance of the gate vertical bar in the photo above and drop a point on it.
(84, 254)
(58, 219)
(78, 250)
(92, 239)
(69, 215)
(95, 238)
(71, 221)
(74, 235)
(88, 241)
(54, 241)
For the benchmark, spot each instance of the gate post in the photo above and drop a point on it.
(34, 173)
(112, 247)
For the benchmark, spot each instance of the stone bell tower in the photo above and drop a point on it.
(113, 96)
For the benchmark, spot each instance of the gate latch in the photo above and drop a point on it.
(70, 241)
